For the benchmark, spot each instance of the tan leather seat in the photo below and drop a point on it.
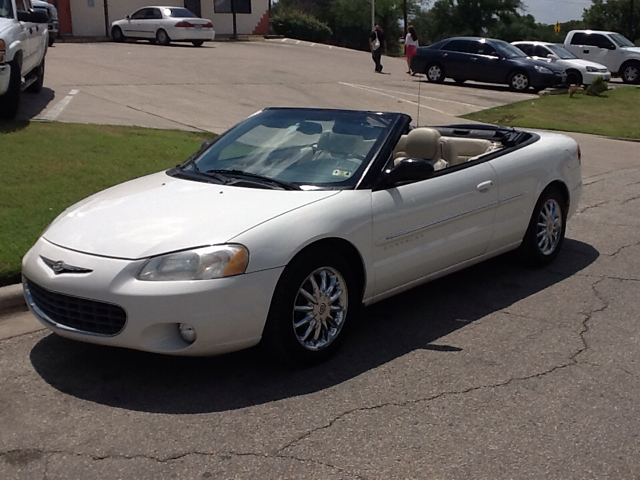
(398, 151)
(423, 143)
(468, 148)
(339, 144)
(447, 151)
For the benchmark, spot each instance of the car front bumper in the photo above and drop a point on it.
(589, 77)
(227, 314)
(543, 80)
(5, 78)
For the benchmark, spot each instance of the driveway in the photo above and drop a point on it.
(494, 372)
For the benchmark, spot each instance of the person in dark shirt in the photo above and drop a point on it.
(378, 46)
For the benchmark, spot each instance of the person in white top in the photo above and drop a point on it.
(410, 46)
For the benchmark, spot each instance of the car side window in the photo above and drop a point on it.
(580, 38)
(481, 48)
(603, 42)
(155, 13)
(456, 46)
(526, 48)
(541, 51)
(21, 5)
(140, 14)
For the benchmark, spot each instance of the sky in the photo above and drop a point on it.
(552, 11)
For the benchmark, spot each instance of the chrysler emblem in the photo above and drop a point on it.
(59, 267)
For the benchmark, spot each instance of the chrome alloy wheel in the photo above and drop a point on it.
(549, 227)
(520, 81)
(630, 74)
(434, 73)
(320, 308)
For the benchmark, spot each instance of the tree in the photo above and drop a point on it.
(614, 15)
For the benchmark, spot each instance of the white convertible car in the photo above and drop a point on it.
(280, 229)
(163, 25)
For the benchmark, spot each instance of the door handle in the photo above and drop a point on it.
(585, 51)
(484, 186)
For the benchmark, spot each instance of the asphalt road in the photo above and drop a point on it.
(494, 372)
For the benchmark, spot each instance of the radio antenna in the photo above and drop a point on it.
(418, 119)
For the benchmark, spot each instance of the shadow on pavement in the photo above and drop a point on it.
(387, 330)
(32, 105)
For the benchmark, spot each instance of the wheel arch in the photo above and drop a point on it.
(346, 249)
(574, 71)
(561, 187)
(515, 70)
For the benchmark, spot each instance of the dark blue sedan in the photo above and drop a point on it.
(485, 60)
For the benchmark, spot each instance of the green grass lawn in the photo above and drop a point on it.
(615, 113)
(45, 167)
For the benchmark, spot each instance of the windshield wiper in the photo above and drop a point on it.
(253, 176)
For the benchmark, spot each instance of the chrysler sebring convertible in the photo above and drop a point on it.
(279, 230)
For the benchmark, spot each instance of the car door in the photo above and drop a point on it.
(427, 226)
(133, 25)
(152, 22)
(486, 62)
(454, 58)
(593, 46)
(29, 37)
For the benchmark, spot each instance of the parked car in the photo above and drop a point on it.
(163, 25)
(485, 60)
(579, 71)
(281, 228)
(612, 49)
(23, 46)
(52, 14)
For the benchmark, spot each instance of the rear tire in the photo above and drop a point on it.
(314, 303)
(36, 87)
(435, 73)
(630, 72)
(459, 81)
(51, 39)
(117, 35)
(162, 37)
(198, 43)
(10, 101)
(545, 235)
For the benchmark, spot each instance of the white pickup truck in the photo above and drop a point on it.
(611, 49)
(23, 45)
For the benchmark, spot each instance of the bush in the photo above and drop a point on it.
(597, 87)
(299, 25)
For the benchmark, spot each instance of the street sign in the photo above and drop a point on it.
(557, 28)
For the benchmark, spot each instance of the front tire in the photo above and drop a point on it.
(10, 101)
(162, 37)
(574, 78)
(198, 43)
(630, 72)
(117, 35)
(519, 82)
(36, 87)
(545, 234)
(313, 305)
(435, 73)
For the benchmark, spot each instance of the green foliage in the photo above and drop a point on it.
(614, 15)
(597, 87)
(296, 24)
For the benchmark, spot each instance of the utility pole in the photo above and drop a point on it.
(233, 12)
(373, 14)
(632, 33)
(404, 9)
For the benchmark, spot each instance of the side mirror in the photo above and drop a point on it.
(127, 17)
(409, 170)
(33, 16)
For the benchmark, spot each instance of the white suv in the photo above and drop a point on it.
(617, 52)
(579, 71)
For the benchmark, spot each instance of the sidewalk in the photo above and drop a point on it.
(11, 299)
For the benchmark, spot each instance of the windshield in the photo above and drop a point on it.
(561, 52)
(6, 10)
(621, 40)
(179, 13)
(306, 148)
(507, 50)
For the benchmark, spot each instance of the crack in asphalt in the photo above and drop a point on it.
(19, 456)
(572, 362)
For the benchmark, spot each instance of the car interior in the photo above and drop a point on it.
(441, 151)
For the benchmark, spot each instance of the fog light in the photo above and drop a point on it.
(187, 332)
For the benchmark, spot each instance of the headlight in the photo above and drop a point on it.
(200, 264)
(2, 50)
(543, 70)
(592, 69)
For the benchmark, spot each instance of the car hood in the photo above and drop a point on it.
(579, 61)
(635, 50)
(6, 23)
(159, 214)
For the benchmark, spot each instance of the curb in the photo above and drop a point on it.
(11, 298)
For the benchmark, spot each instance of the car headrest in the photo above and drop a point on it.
(339, 143)
(422, 143)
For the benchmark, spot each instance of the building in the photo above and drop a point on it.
(92, 18)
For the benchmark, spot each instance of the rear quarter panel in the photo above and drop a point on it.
(523, 175)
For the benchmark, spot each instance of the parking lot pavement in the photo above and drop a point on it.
(214, 87)
(494, 372)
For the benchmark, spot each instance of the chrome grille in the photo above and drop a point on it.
(80, 314)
